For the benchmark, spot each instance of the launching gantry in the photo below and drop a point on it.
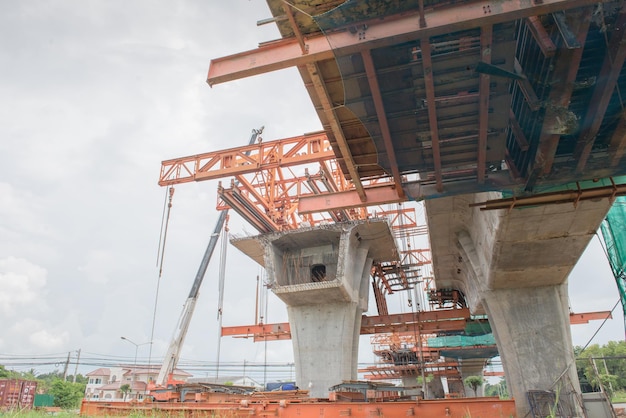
(283, 184)
(277, 190)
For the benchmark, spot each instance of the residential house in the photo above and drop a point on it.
(106, 384)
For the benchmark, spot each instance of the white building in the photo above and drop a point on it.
(108, 384)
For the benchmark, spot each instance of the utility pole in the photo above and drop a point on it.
(76, 368)
(67, 363)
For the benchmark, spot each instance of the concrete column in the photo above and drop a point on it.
(531, 327)
(412, 388)
(472, 367)
(324, 341)
(435, 389)
(323, 274)
(456, 387)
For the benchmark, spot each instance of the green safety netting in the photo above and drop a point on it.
(614, 234)
(477, 328)
(461, 341)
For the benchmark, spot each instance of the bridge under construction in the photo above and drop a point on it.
(506, 117)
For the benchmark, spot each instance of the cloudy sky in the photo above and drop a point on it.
(93, 95)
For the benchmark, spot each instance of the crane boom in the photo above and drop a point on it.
(173, 352)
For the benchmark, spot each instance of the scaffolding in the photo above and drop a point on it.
(614, 233)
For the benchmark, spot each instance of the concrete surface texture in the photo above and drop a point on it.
(513, 265)
(322, 274)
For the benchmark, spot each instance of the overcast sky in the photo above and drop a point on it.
(93, 95)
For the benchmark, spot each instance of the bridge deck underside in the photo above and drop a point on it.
(513, 99)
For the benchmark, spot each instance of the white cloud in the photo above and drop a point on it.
(22, 284)
(47, 340)
(98, 266)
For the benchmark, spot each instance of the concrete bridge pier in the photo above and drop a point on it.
(532, 330)
(472, 367)
(323, 275)
(434, 389)
(513, 265)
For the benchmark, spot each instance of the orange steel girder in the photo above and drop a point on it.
(427, 322)
(299, 150)
(449, 368)
(404, 326)
(584, 318)
(273, 179)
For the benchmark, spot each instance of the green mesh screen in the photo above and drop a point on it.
(477, 328)
(614, 234)
(461, 341)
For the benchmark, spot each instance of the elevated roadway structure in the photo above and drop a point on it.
(506, 116)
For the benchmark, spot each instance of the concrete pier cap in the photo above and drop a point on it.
(322, 274)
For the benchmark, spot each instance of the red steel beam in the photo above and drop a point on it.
(379, 195)
(432, 110)
(493, 373)
(607, 79)
(565, 71)
(564, 196)
(372, 80)
(541, 36)
(319, 86)
(428, 327)
(617, 146)
(287, 53)
(486, 34)
(584, 318)
(269, 330)
(518, 133)
(526, 88)
(426, 322)
(424, 316)
(376, 324)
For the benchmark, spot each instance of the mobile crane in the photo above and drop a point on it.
(164, 381)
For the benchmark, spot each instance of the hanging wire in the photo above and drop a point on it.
(601, 325)
(158, 257)
(167, 222)
(265, 290)
(166, 216)
(220, 300)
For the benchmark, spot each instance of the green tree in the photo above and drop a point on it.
(45, 380)
(67, 395)
(499, 389)
(125, 388)
(79, 378)
(9, 374)
(604, 365)
(473, 382)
